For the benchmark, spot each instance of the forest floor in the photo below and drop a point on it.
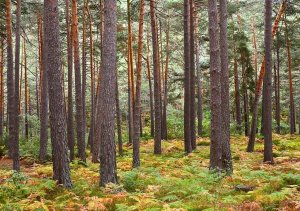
(171, 181)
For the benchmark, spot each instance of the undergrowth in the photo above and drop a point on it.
(169, 181)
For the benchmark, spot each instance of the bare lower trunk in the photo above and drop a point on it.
(226, 151)
(137, 102)
(44, 98)
(61, 169)
(187, 97)
(215, 76)
(78, 85)
(107, 102)
(157, 83)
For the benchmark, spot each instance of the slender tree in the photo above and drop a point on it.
(237, 94)
(277, 87)
(44, 96)
(157, 84)
(137, 99)
(10, 82)
(199, 84)
(130, 76)
(150, 87)
(107, 104)
(84, 68)
(1, 87)
(187, 123)
(267, 90)
(259, 83)
(78, 85)
(291, 94)
(192, 75)
(70, 123)
(215, 76)
(26, 92)
(119, 118)
(226, 152)
(16, 163)
(165, 82)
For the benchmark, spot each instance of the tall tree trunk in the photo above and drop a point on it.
(61, 169)
(84, 69)
(137, 102)
(16, 157)
(192, 75)
(92, 71)
(78, 85)
(255, 60)
(187, 97)
(226, 151)
(292, 102)
(44, 96)
(10, 82)
(107, 104)
(150, 88)
(119, 118)
(215, 76)
(277, 85)
(130, 74)
(199, 84)
(70, 123)
(97, 141)
(37, 96)
(245, 94)
(267, 91)
(1, 87)
(157, 84)
(250, 147)
(26, 94)
(166, 73)
(237, 96)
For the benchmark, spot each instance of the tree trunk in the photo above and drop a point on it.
(44, 97)
(157, 84)
(119, 118)
(137, 102)
(192, 75)
(277, 85)
(237, 96)
(292, 102)
(78, 85)
(187, 97)
(16, 162)
(150, 88)
(37, 97)
(70, 123)
(226, 151)
(10, 82)
(84, 70)
(1, 87)
(166, 76)
(250, 147)
(61, 169)
(267, 91)
(245, 94)
(255, 50)
(199, 84)
(215, 76)
(130, 78)
(26, 94)
(92, 72)
(107, 102)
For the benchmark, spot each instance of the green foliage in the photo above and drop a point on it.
(130, 180)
